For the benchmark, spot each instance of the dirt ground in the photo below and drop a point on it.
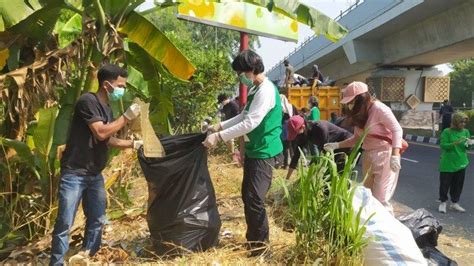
(126, 237)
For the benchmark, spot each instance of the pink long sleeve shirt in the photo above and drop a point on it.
(381, 122)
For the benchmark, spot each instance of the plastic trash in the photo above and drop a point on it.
(424, 227)
(435, 257)
(182, 211)
(390, 242)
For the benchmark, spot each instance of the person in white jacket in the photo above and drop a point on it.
(260, 124)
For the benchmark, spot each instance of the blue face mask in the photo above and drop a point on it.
(116, 94)
(246, 81)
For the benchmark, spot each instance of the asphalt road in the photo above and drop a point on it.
(418, 188)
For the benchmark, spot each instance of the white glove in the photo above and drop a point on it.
(331, 146)
(132, 112)
(137, 144)
(215, 128)
(469, 142)
(211, 140)
(395, 163)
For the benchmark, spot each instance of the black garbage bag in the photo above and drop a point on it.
(424, 227)
(182, 211)
(435, 257)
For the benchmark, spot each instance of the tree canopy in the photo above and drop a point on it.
(462, 83)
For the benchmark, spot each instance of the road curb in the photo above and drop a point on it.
(421, 139)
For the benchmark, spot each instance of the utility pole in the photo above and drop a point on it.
(244, 45)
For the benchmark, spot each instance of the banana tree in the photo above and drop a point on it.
(98, 31)
(64, 51)
(50, 51)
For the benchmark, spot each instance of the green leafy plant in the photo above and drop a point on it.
(462, 83)
(470, 122)
(320, 205)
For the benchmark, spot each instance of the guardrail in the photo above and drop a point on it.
(310, 38)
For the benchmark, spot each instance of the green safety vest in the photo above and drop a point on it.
(264, 141)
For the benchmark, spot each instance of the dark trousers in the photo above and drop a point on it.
(256, 183)
(452, 182)
(287, 152)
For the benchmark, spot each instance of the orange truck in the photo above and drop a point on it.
(329, 98)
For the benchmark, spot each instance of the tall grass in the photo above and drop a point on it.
(320, 206)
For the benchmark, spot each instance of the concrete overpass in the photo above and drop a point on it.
(396, 41)
(390, 34)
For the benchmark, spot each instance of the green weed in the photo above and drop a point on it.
(320, 208)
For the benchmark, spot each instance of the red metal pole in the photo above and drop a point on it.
(244, 45)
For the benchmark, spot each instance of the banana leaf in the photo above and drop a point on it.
(69, 31)
(120, 8)
(142, 32)
(24, 152)
(137, 84)
(147, 65)
(115, 9)
(44, 132)
(12, 12)
(151, 73)
(39, 24)
(43, 138)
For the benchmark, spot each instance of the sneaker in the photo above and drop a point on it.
(457, 207)
(442, 207)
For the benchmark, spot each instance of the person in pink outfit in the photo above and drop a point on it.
(381, 155)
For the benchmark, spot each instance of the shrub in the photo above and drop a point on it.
(470, 123)
(320, 206)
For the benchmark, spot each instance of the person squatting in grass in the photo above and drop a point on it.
(91, 134)
(380, 158)
(316, 133)
(453, 163)
(260, 124)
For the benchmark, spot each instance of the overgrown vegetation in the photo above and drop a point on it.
(320, 207)
(49, 54)
(210, 49)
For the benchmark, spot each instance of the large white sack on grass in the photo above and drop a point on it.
(391, 242)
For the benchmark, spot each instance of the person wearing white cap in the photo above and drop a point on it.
(381, 155)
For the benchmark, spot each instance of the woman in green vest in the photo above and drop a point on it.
(260, 125)
(454, 143)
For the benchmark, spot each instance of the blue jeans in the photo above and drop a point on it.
(72, 189)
